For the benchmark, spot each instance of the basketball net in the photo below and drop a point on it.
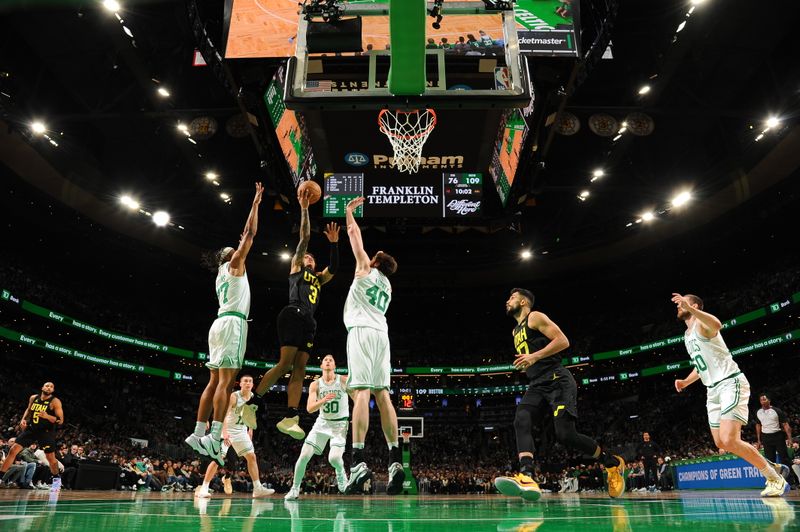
(407, 131)
(406, 436)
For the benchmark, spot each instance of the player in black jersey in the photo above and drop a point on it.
(38, 424)
(296, 324)
(552, 390)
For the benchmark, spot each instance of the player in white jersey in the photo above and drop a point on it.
(328, 395)
(368, 356)
(237, 433)
(728, 391)
(227, 338)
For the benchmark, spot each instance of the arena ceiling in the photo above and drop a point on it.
(92, 77)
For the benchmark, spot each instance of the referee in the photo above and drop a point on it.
(773, 431)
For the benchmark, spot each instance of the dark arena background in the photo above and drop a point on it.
(603, 154)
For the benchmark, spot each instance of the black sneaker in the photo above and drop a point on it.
(359, 475)
(396, 477)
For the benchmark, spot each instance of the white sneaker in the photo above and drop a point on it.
(775, 488)
(359, 475)
(261, 491)
(291, 426)
(202, 494)
(213, 448)
(341, 481)
(193, 441)
(293, 494)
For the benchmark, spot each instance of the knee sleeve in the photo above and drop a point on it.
(523, 428)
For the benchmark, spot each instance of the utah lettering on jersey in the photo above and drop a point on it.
(521, 340)
(311, 279)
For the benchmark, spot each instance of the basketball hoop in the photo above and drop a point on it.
(406, 436)
(407, 131)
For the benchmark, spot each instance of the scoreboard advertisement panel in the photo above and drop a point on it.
(454, 195)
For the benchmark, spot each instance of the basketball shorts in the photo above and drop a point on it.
(325, 430)
(728, 400)
(240, 441)
(227, 341)
(555, 392)
(368, 357)
(45, 439)
(296, 328)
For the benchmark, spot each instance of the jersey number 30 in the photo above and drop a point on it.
(331, 407)
(378, 298)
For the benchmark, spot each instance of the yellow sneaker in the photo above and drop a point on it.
(616, 480)
(519, 485)
(291, 426)
(227, 487)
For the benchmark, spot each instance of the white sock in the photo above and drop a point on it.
(391, 444)
(199, 429)
(216, 430)
(770, 472)
(257, 485)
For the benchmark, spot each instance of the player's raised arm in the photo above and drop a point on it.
(709, 323)
(246, 240)
(354, 233)
(332, 234)
(305, 232)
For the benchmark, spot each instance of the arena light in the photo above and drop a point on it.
(285, 255)
(225, 196)
(160, 218)
(211, 176)
(526, 254)
(111, 5)
(164, 93)
(597, 174)
(644, 89)
(761, 136)
(129, 202)
(648, 216)
(697, 2)
(681, 199)
(772, 121)
(584, 194)
(38, 127)
(183, 128)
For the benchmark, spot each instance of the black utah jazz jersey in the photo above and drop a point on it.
(38, 406)
(527, 340)
(304, 288)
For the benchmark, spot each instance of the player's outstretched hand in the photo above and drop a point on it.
(524, 360)
(680, 384)
(355, 203)
(329, 397)
(302, 197)
(332, 232)
(259, 192)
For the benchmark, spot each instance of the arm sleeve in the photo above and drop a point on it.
(781, 416)
(334, 262)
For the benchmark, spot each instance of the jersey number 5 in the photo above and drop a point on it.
(378, 298)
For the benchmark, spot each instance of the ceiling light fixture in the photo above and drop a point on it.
(38, 127)
(164, 93)
(160, 218)
(681, 199)
(648, 216)
(644, 90)
(111, 5)
(526, 254)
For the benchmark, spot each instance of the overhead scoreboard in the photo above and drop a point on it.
(456, 195)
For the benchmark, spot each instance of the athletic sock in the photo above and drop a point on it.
(256, 484)
(526, 465)
(770, 473)
(293, 411)
(200, 429)
(395, 454)
(205, 486)
(606, 459)
(216, 430)
(358, 453)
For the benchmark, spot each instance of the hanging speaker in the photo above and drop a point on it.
(343, 35)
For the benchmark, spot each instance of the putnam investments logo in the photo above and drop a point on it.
(356, 158)
(433, 162)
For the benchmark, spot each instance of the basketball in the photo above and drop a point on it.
(314, 191)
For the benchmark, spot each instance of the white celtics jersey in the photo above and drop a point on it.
(233, 292)
(337, 408)
(710, 356)
(237, 418)
(367, 301)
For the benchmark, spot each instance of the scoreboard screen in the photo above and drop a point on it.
(456, 195)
